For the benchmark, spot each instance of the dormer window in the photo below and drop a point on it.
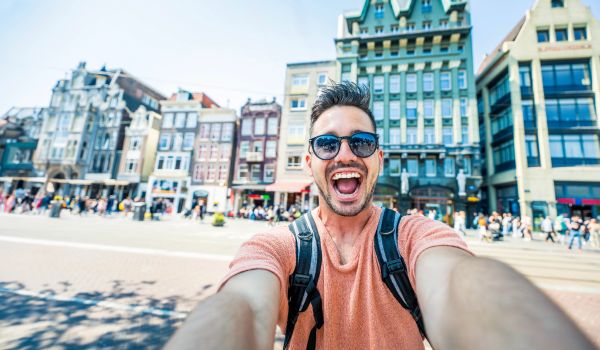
(379, 11)
(558, 3)
(379, 30)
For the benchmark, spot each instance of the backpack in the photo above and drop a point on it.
(303, 291)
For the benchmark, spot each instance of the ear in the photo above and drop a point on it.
(380, 157)
(308, 160)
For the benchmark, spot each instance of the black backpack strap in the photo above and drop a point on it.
(303, 281)
(394, 271)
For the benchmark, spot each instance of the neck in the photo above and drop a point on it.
(343, 226)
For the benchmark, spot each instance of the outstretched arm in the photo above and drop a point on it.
(478, 303)
(242, 315)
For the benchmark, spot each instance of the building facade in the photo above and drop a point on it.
(416, 58)
(82, 136)
(213, 161)
(171, 179)
(256, 156)
(302, 83)
(539, 93)
(139, 151)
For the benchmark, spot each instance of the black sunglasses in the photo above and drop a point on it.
(363, 144)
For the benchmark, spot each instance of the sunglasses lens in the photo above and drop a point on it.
(326, 146)
(363, 144)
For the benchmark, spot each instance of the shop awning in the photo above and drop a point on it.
(289, 187)
(250, 187)
(112, 182)
(5, 179)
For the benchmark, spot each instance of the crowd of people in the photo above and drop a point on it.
(272, 214)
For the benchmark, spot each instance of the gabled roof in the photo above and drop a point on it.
(497, 52)
(201, 97)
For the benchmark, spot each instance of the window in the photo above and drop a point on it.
(259, 126)
(525, 76)
(244, 148)
(225, 151)
(394, 110)
(243, 172)
(223, 172)
(269, 173)
(379, 30)
(180, 120)
(561, 76)
(411, 109)
(215, 132)
(378, 84)
(394, 167)
(449, 167)
(447, 108)
(543, 36)
(300, 80)
(214, 152)
(212, 172)
(165, 142)
(135, 143)
(131, 166)
(192, 120)
(445, 82)
(447, 135)
(294, 162)
(428, 82)
(379, 11)
(411, 136)
(528, 113)
(394, 84)
(570, 112)
(467, 165)
(394, 136)
(531, 149)
(412, 165)
(378, 110)
(573, 150)
(429, 135)
(426, 25)
(464, 107)
(204, 131)
(504, 156)
(364, 81)
(271, 149)
(411, 83)
(168, 120)
(246, 127)
(188, 141)
(499, 90)
(295, 131)
(379, 132)
(321, 78)
(203, 152)
(502, 121)
(298, 103)
(364, 30)
(580, 33)
(462, 79)
(177, 141)
(430, 170)
(198, 172)
(227, 132)
(410, 27)
(257, 146)
(558, 3)
(561, 34)
(428, 108)
(465, 134)
(444, 25)
(160, 162)
(426, 6)
(272, 126)
(394, 28)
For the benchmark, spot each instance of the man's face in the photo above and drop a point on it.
(345, 182)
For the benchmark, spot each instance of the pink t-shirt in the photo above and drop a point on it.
(359, 310)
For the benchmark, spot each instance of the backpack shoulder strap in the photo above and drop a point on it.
(303, 281)
(394, 271)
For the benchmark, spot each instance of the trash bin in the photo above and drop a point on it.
(55, 207)
(139, 211)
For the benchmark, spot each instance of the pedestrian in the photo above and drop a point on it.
(575, 231)
(482, 225)
(594, 233)
(506, 223)
(548, 229)
(342, 301)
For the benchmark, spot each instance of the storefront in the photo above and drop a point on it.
(216, 198)
(172, 190)
(578, 198)
(287, 194)
(436, 198)
(507, 200)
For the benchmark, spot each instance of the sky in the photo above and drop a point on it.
(231, 50)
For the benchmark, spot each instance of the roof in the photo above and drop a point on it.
(492, 57)
(311, 63)
(201, 97)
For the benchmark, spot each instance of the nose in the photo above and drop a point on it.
(345, 154)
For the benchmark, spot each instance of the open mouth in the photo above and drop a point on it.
(346, 184)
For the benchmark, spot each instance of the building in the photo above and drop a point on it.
(539, 92)
(82, 136)
(19, 133)
(416, 58)
(171, 178)
(139, 151)
(302, 83)
(213, 160)
(256, 157)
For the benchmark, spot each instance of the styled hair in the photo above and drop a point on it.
(342, 94)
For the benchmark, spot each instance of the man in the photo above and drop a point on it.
(453, 287)
(576, 228)
(547, 228)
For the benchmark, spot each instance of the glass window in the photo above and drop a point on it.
(426, 6)
(411, 109)
(430, 170)
(580, 33)
(446, 108)
(180, 119)
(255, 172)
(467, 165)
(463, 107)
(379, 132)
(591, 149)
(572, 146)
(449, 167)
(294, 162)
(462, 79)
(225, 151)
(558, 3)
(271, 149)
(215, 132)
(445, 81)
(298, 103)
(394, 169)
(561, 34)
(227, 132)
(204, 131)
(411, 83)
(300, 80)
(244, 148)
(378, 84)
(214, 152)
(447, 135)
(269, 172)
(411, 135)
(429, 135)
(394, 84)
(257, 146)
(394, 110)
(203, 152)
(556, 147)
(246, 127)
(321, 78)
(543, 36)
(465, 134)
(272, 126)
(379, 11)
(531, 146)
(525, 76)
(165, 142)
(259, 126)
(188, 141)
(428, 108)
(168, 120)
(428, 82)
(192, 120)
(378, 110)
(243, 172)
(412, 165)
(394, 136)
(363, 81)
(223, 172)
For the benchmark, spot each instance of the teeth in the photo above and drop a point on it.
(346, 176)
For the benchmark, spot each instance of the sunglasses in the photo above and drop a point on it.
(363, 144)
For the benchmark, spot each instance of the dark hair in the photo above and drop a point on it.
(342, 94)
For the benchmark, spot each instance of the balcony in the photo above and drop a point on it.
(254, 157)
